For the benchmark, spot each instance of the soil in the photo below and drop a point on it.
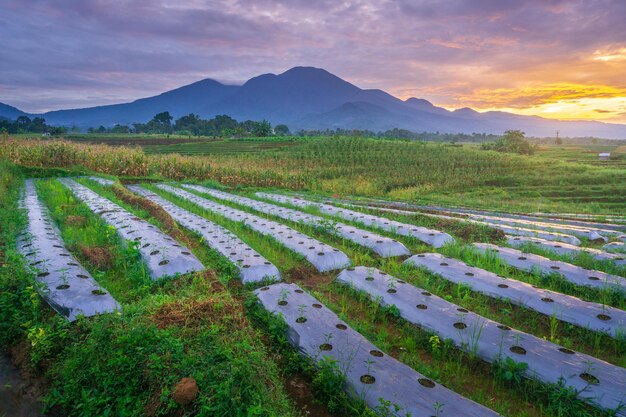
(306, 276)
(99, 256)
(300, 392)
(185, 391)
(76, 220)
(169, 224)
(194, 313)
(20, 388)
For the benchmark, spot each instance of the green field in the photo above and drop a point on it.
(207, 325)
(227, 147)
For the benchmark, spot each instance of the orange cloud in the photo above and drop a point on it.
(555, 101)
(521, 98)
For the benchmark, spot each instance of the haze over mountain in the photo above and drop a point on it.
(312, 98)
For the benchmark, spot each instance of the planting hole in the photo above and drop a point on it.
(567, 351)
(594, 279)
(164, 262)
(326, 347)
(460, 326)
(547, 300)
(391, 291)
(518, 349)
(503, 327)
(155, 252)
(63, 287)
(421, 306)
(462, 310)
(555, 267)
(522, 258)
(282, 303)
(301, 320)
(341, 326)
(503, 286)
(98, 292)
(376, 353)
(426, 383)
(469, 274)
(367, 379)
(603, 317)
(316, 305)
(589, 378)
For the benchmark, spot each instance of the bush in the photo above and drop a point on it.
(513, 141)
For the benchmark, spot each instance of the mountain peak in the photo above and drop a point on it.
(415, 100)
(465, 111)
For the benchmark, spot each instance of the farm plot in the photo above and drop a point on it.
(591, 234)
(322, 256)
(382, 245)
(593, 316)
(593, 379)
(510, 230)
(102, 181)
(565, 249)
(382, 382)
(432, 237)
(575, 274)
(252, 266)
(582, 221)
(63, 282)
(615, 247)
(162, 255)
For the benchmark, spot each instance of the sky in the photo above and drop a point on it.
(552, 58)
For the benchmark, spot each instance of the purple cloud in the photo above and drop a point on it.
(70, 53)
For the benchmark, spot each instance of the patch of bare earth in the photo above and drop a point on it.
(99, 256)
(191, 313)
(76, 220)
(169, 224)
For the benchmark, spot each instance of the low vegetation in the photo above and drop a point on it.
(417, 171)
(200, 345)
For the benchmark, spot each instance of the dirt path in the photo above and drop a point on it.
(16, 396)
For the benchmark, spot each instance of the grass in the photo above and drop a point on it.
(393, 169)
(208, 326)
(128, 364)
(382, 335)
(223, 147)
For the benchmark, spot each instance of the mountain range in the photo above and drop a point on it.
(313, 98)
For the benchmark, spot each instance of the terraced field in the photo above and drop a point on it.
(257, 302)
(221, 147)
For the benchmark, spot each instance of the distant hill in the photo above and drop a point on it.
(10, 112)
(313, 98)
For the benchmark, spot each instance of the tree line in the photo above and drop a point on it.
(24, 124)
(194, 125)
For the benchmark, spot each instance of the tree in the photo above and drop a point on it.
(262, 129)
(189, 123)
(160, 123)
(511, 141)
(22, 124)
(282, 130)
(38, 125)
(558, 140)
